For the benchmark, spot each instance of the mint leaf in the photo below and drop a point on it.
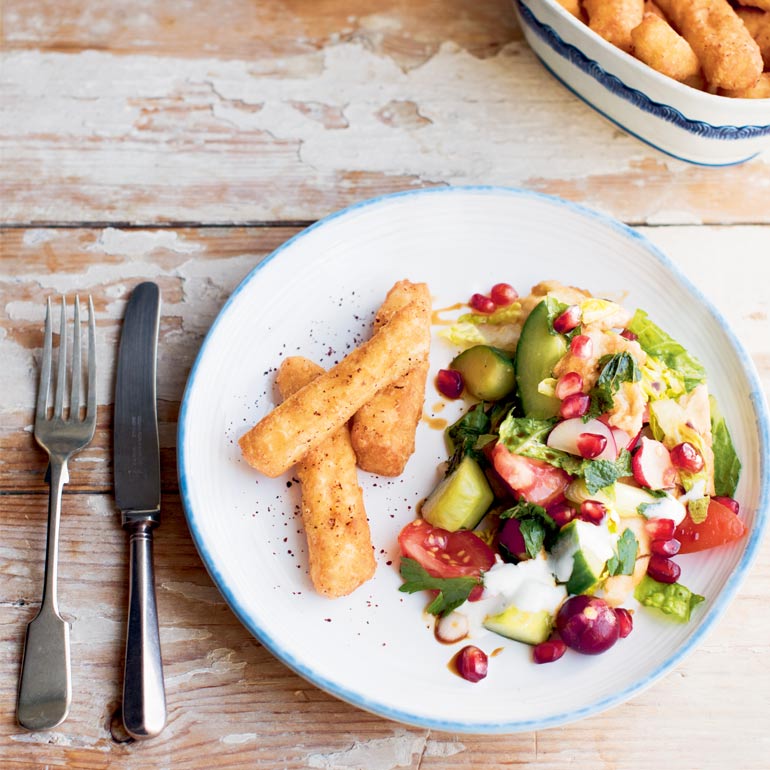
(464, 434)
(617, 368)
(698, 509)
(673, 599)
(452, 592)
(727, 466)
(655, 342)
(624, 561)
(602, 473)
(537, 527)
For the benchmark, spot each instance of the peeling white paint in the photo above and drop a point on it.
(36, 237)
(218, 662)
(238, 738)
(141, 243)
(377, 754)
(63, 739)
(195, 593)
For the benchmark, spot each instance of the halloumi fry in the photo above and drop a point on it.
(614, 19)
(728, 54)
(762, 4)
(658, 45)
(382, 431)
(650, 7)
(306, 418)
(572, 6)
(339, 544)
(760, 91)
(758, 25)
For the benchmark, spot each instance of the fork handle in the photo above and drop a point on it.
(45, 684)
(144, 697)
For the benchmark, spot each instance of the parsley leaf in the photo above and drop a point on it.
(624, 561)
(452, 592)
(617, 368)
(537, 527)
(602, 473)
(464, 434)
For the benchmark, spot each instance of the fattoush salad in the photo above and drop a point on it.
(591, 455)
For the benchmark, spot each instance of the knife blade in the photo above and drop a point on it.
(137, 494)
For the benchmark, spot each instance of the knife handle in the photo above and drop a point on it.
(144, 696)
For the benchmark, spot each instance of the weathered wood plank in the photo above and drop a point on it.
(286, 112)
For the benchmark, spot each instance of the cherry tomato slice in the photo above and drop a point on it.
(443, 553)
(721, 526)
(534, 480)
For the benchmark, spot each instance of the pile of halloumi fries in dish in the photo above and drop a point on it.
(711, 45)
(362, 413)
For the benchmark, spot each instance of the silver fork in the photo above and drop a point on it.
(45, 686)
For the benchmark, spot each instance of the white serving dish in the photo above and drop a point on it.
(674, 118)
(315, 296)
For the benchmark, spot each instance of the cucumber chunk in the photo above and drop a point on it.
(537, 353)
(461, 499)
(523, 626)
(487, 372)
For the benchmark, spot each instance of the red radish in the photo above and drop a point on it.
(568, 384)
(660, 529)
(562, 513)
(449, 383)
(568, 320)
(625, 621)
(622, 439)
(652, 465)
(663, 570)
(482, 304)
(570, 436)
(665, 547)
(582, 346)
(592, 511)
(452, 627)
(548, 652)
(575, 405)
(687, 457)
(503, 294)
(728, 502)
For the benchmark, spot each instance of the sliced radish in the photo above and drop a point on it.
(566, 436)
(652, 465)
(452, 627)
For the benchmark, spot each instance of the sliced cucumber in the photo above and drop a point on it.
(487, 372)
(537, 353)
(523, 626)
(461, 499)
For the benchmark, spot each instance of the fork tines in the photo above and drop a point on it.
(73, 405)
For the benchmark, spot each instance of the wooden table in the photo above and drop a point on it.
(182, 142)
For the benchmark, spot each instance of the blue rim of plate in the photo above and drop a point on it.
(368, 704)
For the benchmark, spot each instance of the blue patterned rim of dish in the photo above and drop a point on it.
(639, 99)
(375, 706)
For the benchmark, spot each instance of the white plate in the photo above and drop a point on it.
(315, 296)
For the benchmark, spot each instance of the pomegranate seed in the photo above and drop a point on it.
(629, 335)
(449, 383)
(665, 547)
(569, 384)
(582, 346)
(728, 502)
(548, 652)
(472, 663)
(687, 457)
(503, 294)
(660, 529)
(568, 320)
(575, 405)
(593, 511)
(591, 444)
(482, 304)
(562, 513)
(663, 570)
(625, 621)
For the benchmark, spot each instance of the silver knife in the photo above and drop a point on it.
(137, 494)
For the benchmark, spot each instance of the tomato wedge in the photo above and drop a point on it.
(534, 480)
(721, 526)
(445, 554)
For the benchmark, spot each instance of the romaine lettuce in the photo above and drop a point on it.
(673, 599)
(727, 466)
(498, 329)
(526, 436)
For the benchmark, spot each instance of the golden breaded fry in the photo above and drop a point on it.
(339, 545)
(761, 4)
(758, 25)
(306, 418)
(760, 91)
(728, 54)
(382, 431)
(573, 6)
(614, 19)
(650, 7)
(658, 45)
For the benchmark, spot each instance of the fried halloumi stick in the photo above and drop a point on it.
(728, 54)
(572, 6)
(761, 4)
(760, 91)
(658, 45)
(614, 19)
(758, 25)
(309, 416)
(382, 431)
(339, 544)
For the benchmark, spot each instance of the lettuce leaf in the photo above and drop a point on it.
(655, 342)
(673, 599)
(498, 329)
(526, 436)
(727, 466)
